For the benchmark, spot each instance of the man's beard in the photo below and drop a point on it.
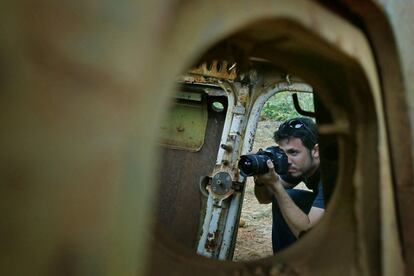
(306, 173)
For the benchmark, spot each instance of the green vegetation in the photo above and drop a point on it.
(280, 106)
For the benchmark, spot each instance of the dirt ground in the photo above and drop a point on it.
(254, 235)
(255, 230)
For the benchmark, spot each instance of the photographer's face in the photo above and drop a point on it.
(302, 161)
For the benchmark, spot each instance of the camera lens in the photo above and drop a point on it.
(253, 164)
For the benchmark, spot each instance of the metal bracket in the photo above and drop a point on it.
(299, 109)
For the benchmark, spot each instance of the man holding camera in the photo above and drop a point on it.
(294, 211)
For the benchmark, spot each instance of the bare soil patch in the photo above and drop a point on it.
(255, 230)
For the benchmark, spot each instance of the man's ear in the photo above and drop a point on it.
(315, 151)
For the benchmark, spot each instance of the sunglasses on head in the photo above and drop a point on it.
(298, 124)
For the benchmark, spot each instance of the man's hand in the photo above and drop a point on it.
(296, 219)
(270, 178)
(263, 184)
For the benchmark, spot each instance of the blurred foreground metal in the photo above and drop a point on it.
(85, 86)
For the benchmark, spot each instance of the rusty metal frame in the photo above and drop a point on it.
(84, 88)
(257, 106)
(185, 126)
(220, 222)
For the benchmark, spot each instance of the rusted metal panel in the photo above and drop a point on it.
(180, 203)
(387, 25)
(84, 85)
(217, 69)
(220, 223)
(212, 72)
(185, 126)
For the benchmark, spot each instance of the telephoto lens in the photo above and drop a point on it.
(253, 164)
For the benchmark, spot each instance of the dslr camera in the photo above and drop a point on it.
(254, 164)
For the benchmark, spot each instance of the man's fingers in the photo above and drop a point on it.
(269, 164)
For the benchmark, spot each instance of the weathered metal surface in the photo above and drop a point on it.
(84, 88)
(387, 25)
(211, 72)
(185, 126)
(220, 223)
(189, 96)
(180, 204)
(221, 183)
(268, 91)
(216, 69)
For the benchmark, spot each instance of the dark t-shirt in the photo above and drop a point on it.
(313, 183)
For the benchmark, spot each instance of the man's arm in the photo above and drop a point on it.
(296, 219)
(262, 193)
(261, 190)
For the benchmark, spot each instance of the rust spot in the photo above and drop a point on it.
(211, 243)
(216, 69)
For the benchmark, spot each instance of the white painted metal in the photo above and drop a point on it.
(260, 101)
(222, 213)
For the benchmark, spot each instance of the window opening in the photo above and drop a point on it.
(254, 238)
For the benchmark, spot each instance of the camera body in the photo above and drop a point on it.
(254, 164)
